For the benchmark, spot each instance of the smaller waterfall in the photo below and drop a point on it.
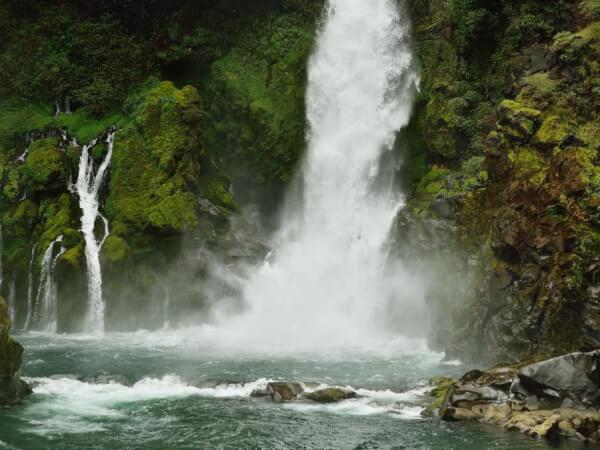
(88, 187)
(29, 140)
(30, 289)
(46, 305)
(12, 288)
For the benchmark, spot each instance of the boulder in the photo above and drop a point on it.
(330, 395)
(575, 375)
(280, 391)
(12, 388)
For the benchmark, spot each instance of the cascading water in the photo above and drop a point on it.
(326, 285)
(87, 188)
(46, 305)
(30, 289)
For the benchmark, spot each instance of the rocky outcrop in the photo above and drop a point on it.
(553, 398)
(12, 388)
(288, 391)
(331, 395)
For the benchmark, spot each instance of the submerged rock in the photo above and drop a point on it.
(12, 388)
(330, 395)
(280, 391)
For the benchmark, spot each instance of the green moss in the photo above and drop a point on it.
(44, 167)
(433, 182)
(518, 110)
(441, 386)
(10, 190)
(85, 126)
(591, 8)
(541, 82)
(553, 131)
(255, 101)
(74, 256)
(157, 164)
(115, 249)
(173, 210)
(589, 133)
(528, 166)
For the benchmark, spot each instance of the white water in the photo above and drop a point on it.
(30, 289)
(46, 304)
(87, 187)
(75, 400)
(326, 285)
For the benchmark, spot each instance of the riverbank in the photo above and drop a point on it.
(553, 398)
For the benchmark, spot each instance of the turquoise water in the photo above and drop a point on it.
(166, 390)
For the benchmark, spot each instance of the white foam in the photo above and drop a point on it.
(453, 362)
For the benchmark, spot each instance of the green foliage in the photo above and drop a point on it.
(433, 182)
(591, 8)
(255, 100)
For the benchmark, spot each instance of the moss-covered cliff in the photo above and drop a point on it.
(507, 126)
(500, 167)
(208, 103)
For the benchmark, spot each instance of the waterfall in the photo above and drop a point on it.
(12, 288)
(30, 289)
(46, 304)
(88, 188)
(326, 283)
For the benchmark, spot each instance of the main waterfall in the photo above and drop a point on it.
(325, 284)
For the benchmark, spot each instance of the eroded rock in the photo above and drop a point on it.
(555, 398)
(12, 388)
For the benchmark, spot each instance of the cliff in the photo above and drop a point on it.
(499, 161)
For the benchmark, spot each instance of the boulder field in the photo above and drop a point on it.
(554, 398)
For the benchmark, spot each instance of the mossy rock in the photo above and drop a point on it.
(553, 132)
(10, 190)
(331, 395)
(589, 134)
(74, 256)
(433, 182)
(45, 167)
(529, 167)
(518, 120)
(11, 352)
(115, 249)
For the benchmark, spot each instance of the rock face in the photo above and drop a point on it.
(558, 397)
(12, 388)
(575, 376)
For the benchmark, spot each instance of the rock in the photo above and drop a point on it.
(443, 207)
(574, 375)
(281, 391)
(541, 59)
(12, 388)
(518, 121)
(330, 395)
(472, 375)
